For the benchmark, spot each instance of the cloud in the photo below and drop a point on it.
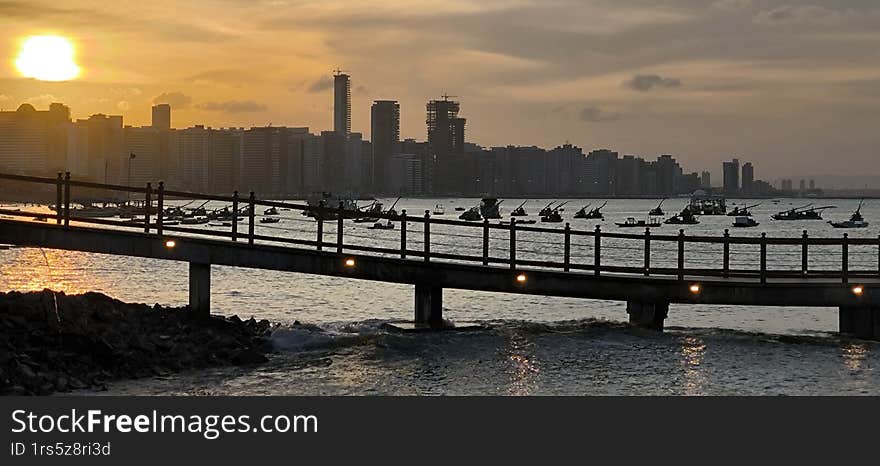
(803, 14)
(646, 82)
(732, 5)
(123, 105)
(322, 84)
(42, 101)
(233, 106)
(595, 114)
(177, 100)
(5, 98)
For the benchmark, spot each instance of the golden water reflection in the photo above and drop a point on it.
(34, 269)
(854, 354)
(523, 375)
(692, 352)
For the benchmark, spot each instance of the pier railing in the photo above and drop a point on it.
(505, 238)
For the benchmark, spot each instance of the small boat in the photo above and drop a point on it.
(438, 210)
(596, 213)
(518, 222)
(743, 211)
(552, 217)
(855, 221)
(631, 222)
(684, 218)
(490, 207)
(39, 219)
(471, 215)
(745, 222)
(657, 211)
(389, 225)
(270, 211)
(460, 209)
(519, 211)
(582, 213)
(270, 220)
(806, 212)
(366, 220)
(193, 220)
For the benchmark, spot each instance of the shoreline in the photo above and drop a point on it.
(52, 342)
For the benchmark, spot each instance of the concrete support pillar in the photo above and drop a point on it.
(860, 322)
(429, 306)
(647, 315)
(200, 289)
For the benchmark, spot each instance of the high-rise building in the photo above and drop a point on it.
(385, 134)
(143, 147)
(731, 176)
(262, 152)
(803, 185)
(446, 144)
(341, 103)
(162, 116)
(95, 149)
(34, 141)
(748, 178)
(600, 172)
(333, 148)
(668, 171)
(812, 185)
(706, 180)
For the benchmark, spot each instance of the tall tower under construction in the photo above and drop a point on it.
(341, 103)
(446, 144)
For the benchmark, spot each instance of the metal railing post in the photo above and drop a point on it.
(805, 265)
(681, 254)
(339, 226)
(485, 241)
(513, 243)
(148, 203)
(763, 258)
(647, 251)
(403, 234)
(66, 199)
(427, 235)
(320, 219)
(59, 199)
(844, 266)
(567, 251)
(235, 217)
(251, 205)
(726, 264)
(597, 251)
(160, 205)
(878, 254)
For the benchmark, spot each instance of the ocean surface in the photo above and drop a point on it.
(332, 336)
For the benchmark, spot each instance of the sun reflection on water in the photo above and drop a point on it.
(693, 351)
(854, 355)
(524, 368)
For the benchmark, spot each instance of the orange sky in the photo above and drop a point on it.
(793, 86)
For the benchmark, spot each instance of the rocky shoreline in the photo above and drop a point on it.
(52, 342)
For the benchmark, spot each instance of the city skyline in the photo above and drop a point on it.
(747, 100)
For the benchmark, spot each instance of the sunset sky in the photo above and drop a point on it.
(792, 85)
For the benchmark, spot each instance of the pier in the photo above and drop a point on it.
(660, 278)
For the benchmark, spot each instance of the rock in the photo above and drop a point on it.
(248, 357)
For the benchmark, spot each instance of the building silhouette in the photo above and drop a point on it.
(706, 180)
(341, 103)
(32, 141)
(161, 116)
(385, 132)
(446, 146)
(730, 171)
(748, 178)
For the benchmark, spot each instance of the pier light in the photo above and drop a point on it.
(349, 262)
(170, 243)
(696, 288)
(858, 290)
(521, 278)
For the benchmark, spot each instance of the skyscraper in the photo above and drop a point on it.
(341, 103)
(748, 178)
(446, 143)
(32, 141)
(385, 132)
(705, 180)
(731, 176)
(162, 116)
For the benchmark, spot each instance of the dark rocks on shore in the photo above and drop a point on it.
(52, 342)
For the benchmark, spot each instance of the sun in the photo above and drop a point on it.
(47, 58)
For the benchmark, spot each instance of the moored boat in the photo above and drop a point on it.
(471, 215)
(855, 220)
(631, 222)
(744, 222)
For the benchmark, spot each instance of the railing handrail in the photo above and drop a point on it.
(64, 214)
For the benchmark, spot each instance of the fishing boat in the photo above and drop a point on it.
(702, 203)
(270, 220)
(631, 222)
(270, 211)
(518, 222)
(582, 213)
(325, 205)
(547, 209)
(519, 211)
(366, 220)
(743, 211)
(657, 211)
(391, 212)
(744, 222)
(596, 213)
(471, 215)
(552, 217)
(806, 212)
(460, 209)
(490, 207)
(855, 220)
(684, 218)
(389, 225)
(193, 220)
(438, 210)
